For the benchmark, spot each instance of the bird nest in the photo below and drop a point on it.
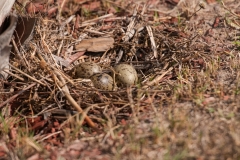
(41, 84)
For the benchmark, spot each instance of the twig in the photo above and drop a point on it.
(129, 34)
(132, 104)
(25, 74)
(87, 24)
(64, 76)
(92, 138)
(158, 78)
(16, 95)
(153, 44)
(94, 21)
(19, 54)
(98, 18)
(48, 136)
(60, 10)
(66, 93)
(229, 10)
(95, 32)
(14, 75)
(79, 109)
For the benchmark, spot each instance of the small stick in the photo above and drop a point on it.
(75, 105)
(14, 75)
(157, 79)
(153, 44)
(25, 74)
(129, 33)
(98, 18)
(66, 93)
(16, 95)
(62, 74)
(229, 10)
(73, 102)
(87, 24)
(19, 54)
(95, 32)
(48, 136)
(79, 109)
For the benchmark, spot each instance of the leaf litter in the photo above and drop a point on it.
(185, 105)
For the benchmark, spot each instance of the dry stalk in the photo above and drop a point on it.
(93, 21)
(14, 75)
(45, 45)
(19, 54)
(98, 18)
(60, 10)
(64, 76)
(110, 123)
(131, 102)
(129, 34)
(153, 44)
(87, 24)
(16, 95)
(95, 32)
(33, 144)
(92, 138)
(48, 136)
(25, 74)
(157, 79)
(110, 133)
(65, 91)
(224, 6)
(60, 48)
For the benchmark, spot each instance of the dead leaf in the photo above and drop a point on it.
(95, 44)
(216, 22)
(13, 133)
(34, 157)
(35, 8)
(208, 100)
(75, 57)
(93, 6)
(210, 1)
(38, 125)
(52, 11)
(3, 150)
(61, 61)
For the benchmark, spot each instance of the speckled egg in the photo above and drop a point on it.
(102, 81)
(126, 74)
(87, 69)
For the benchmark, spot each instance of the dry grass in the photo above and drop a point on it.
(185, 105)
